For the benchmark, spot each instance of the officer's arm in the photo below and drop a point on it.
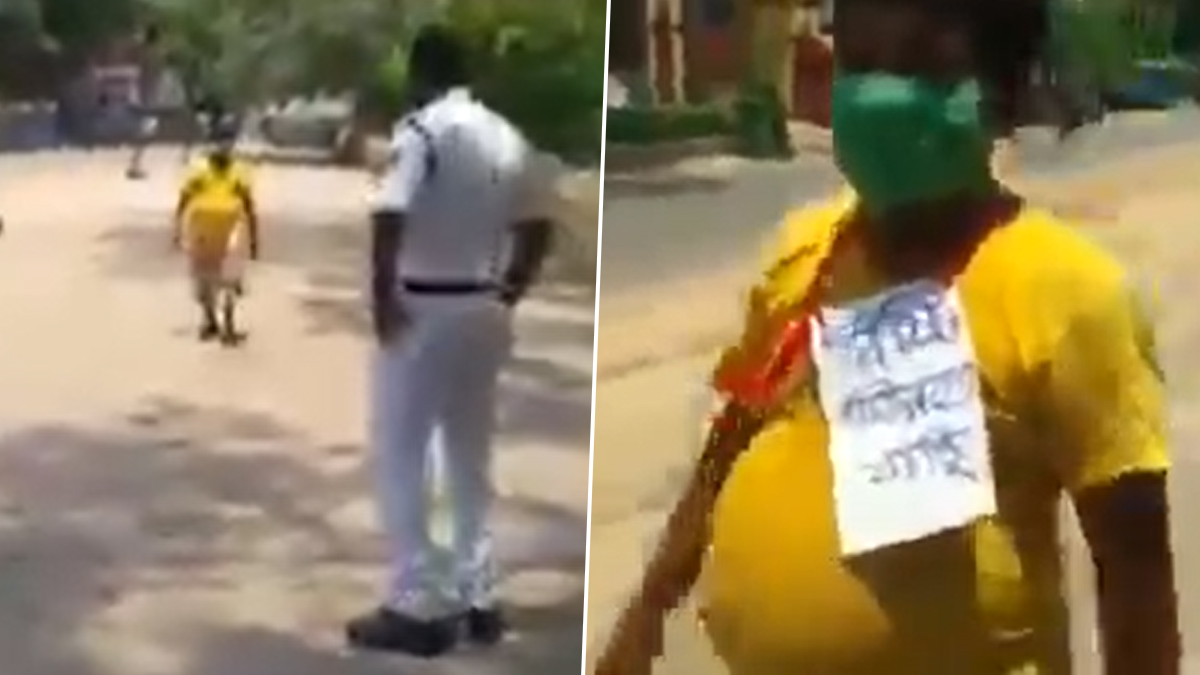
(532, 241)
(394, 199)
(1106, 396)
(533, 229)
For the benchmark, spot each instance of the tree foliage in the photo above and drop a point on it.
(541, 63)
(1106, 38)
(255, 50)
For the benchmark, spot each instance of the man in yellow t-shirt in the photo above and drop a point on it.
(1073, 405)
(215, 218)
(928, 366)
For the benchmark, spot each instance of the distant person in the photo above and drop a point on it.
(928, 366)
(215, 218)
(459, 232)
(144, 132)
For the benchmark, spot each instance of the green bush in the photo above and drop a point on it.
(384, 94)
(645, 126)
(1106, 39)
(542, 66)
(552, 93)
(641, 91)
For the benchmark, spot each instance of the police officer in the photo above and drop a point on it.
(460, 229)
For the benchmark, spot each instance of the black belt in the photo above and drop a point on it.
(419, 287)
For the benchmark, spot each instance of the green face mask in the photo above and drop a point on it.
(901, 140)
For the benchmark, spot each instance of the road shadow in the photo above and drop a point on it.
(139, 249)
(551, 645)
(665, 184)
(166, 503)
(552, 418)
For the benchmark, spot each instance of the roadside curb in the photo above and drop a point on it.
(810, 139)
(648, 329)
(624, 158)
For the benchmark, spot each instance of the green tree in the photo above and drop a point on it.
(263, 49)
(1104, 39)
(542, 65)
(78, 27)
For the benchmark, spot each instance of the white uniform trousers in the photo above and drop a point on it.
(440, 374)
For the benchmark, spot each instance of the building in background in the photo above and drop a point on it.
(704, 50)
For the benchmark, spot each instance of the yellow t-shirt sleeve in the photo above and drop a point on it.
(243, 178)
(193, 180)
(1105, 390)
(790, 262)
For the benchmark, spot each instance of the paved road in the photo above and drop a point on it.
(661, 234)
(171, 509)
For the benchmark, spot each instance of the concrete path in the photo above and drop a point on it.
(656, 340)
(170, 508)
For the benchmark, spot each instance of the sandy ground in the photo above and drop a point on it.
(654, 348)
(172, 508)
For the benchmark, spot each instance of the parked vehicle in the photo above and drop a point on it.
(1157, 84)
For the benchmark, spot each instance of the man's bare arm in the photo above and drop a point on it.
(1127, 526)
(185, 198)
(250, 208)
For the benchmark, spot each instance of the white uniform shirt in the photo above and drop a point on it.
(462, 175)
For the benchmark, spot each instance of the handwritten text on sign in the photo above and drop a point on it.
(900, 389)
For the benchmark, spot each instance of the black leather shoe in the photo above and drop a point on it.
(485, 626)
(208, 331)
(390, 631)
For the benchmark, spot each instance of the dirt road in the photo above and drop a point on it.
(171, 508)
(655, 344)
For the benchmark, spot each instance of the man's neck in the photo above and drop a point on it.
(924, 241)
(432, 94)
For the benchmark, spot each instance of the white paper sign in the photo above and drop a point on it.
(899, 386)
